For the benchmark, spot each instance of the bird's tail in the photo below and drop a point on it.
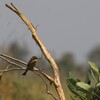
(25, 72)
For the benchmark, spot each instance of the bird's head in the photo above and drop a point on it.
(34, 58)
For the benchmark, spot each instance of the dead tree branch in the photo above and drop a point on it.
(4, 71)
(12, 63)
(47, 88)
(54, 66)
(4, 57)
(14, 59)
(19, 67)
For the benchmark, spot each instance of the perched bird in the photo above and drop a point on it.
(31, 64)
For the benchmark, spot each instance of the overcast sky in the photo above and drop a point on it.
(64, 25)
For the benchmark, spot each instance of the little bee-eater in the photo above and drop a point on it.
(31, 64)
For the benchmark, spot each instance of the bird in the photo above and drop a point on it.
(31, 64)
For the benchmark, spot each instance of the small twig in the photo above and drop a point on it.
(7, 70)
(44, 74)
(14, 7)
(4, 71)
(47, 89)
(11, 69)
(12, 58)
(10, 62)
(11, 8)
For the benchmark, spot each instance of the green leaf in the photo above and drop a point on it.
(98, 85)
(94, 67)
(96, 95)
(73, 88)
(84, 86)
(93, 76)
(72, 75)
(87, 80)
(71, 83)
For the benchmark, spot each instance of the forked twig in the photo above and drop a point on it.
(47, 88)
(1, 74)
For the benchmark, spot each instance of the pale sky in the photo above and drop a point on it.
(64, 25)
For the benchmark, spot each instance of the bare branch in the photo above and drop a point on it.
(47, 88)
(11, 8)
(1, 74)
(10, 62)
(14, 7)
(12, 58)
(7, 70)
(44, 74)
(11, 69)
(20, 67)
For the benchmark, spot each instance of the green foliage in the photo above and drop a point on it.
(96, 70)
(88, 90)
